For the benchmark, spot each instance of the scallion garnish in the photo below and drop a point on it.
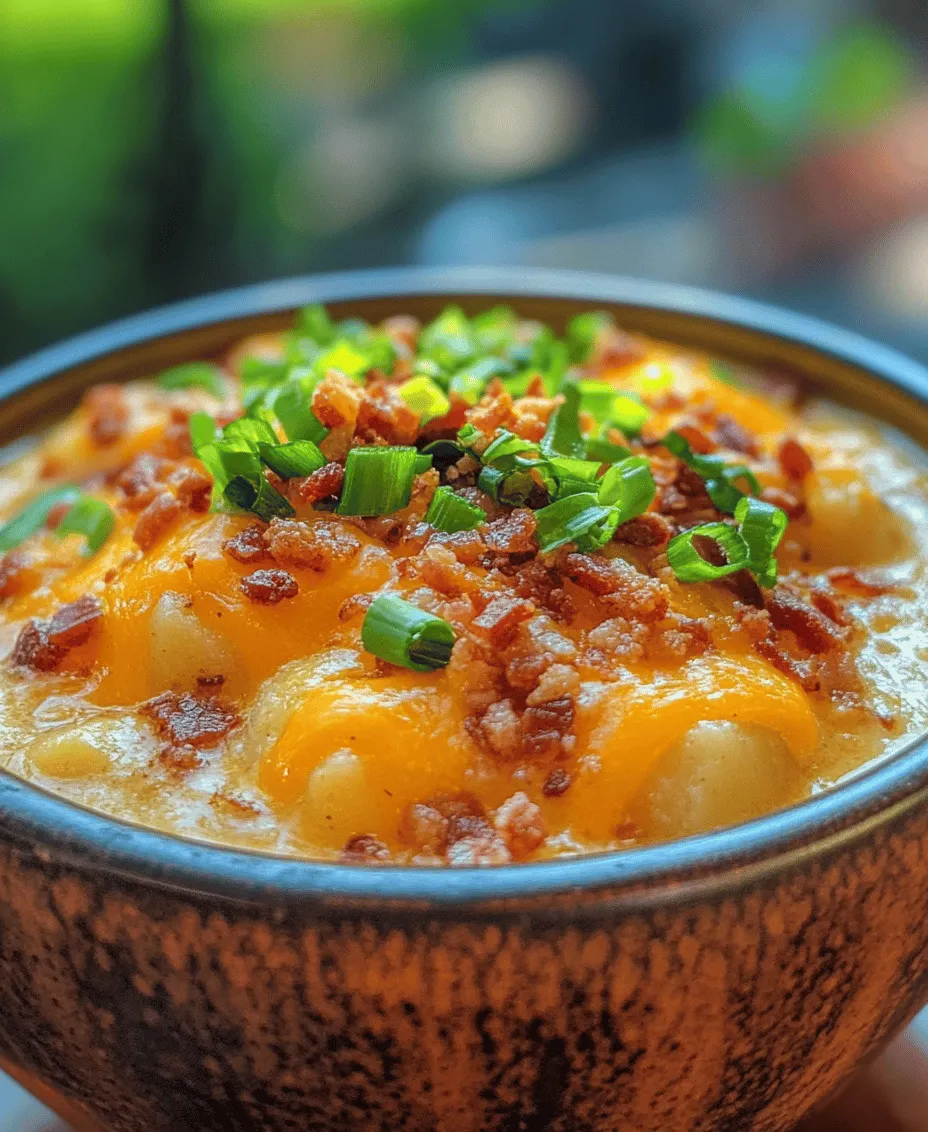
(443, 453)
(297, 459)
(721, 479)
(605, 451)
(202, 430)
(423, 463)
(291, 403)
(450, 513)
(191, 375)
(583, 331)
(425, 398)
(469, 383)
(761, 526)
(258, 497)
(628, 414)
(399, 632)
(448, 340)
(690, 566)
(579, 518)
(252, 430)
(34, 515)
(629, 486)
(91, 518)
(563, 436)
(378, 481)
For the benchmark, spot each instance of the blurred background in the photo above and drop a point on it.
(154, 149)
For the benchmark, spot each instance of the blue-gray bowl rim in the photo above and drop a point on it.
(713, 864)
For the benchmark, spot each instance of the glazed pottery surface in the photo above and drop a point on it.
(722, 982)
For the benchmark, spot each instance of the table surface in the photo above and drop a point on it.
(891, 1095)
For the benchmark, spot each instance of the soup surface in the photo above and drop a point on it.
(461, 593)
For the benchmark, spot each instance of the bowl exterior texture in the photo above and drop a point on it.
(723, 984)
(149, 1010)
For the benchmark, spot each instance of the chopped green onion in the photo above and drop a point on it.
(292, 405)
(721, 479)
(725, 372)
(299, 458)
(628, 414)
(443, 453)
(425, 398)
(314, 323)
(597, 399)
(259, 375)
(491, 481)
(603, 450)
(423, 463)
(378, 481)
(192, 375)
(448, 340)
(690, 566)
(252, 430)
(91, 518)
(579, 519)
(567, 476)
(202, 430)
(761, 526)
(468, 436)
(258, 497)
(563, 436)
(469, 383)
(502, 451)
(629, 487)
(34, 515)
(583, 331)
(345, 358)
(399, 632)
(495, 329)
(450, 513)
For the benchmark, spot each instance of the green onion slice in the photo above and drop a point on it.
(423, 463)
(34, 515)
(202, 430)
(291, 403)
(91, 518)
(258, 497)
(450, 513)
(378, 481)
(583, 331)
(761, 526)
(563, 436)
(314, 323)
(399, 632)
(469, 383)
(202, 375)
(251, 430)
(721, 479)
(425, 398)
(579, 519)
(448, 340)
(629, 414)
(604, 451)
(629, 486)
(690, 566)
(299, 458)
(443, 453)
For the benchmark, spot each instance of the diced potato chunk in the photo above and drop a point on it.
(180, 648)
(68, 752)
(335, 802)
(720, 773)
(850, 523)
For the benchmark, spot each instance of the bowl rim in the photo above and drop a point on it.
(718, 862)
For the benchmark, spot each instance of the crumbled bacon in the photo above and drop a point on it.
(547, 728)
(42, 645)
(730, 434)
(268, 587)
(557, 783)
(354, 606)
(403, 332)
(384, 415)
(193, 488)
(795, 462)
(155, 519)
(493, 411)
(649, 530)
(176, 441)
(107, 414)
(467, 546)
(336, 400)
(625, 591)
(320, 484)
(139, 482)
(13, 567)
(454, 826)
(520, 823)
(802, 671)
(247, 545)
(695, 437)
(185, 720)
(500, 619)
(439, 569)
(513, 533)
(794, 507)
(544, 586)
(310, 546)
(813, 629)
(364, 848)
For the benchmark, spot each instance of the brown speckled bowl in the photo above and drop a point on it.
(726, 981)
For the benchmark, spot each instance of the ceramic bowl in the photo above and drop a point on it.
(721, 982)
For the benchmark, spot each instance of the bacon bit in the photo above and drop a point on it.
(755, 622)
(352, 606)
(851, 581)
(513, 533)
(189, 558)
(384, 415)
(155, 519)
(813, 630)
(215, 681)
(320, 484)
(695, 437)
(795, 508)
(493, 411)
(626, 591)
(179, 760)
(248, 545)
(176, 442)
(499, 621)
(745, 588)
(547, 727)
(795, 462)
(616, 348)
(456, 827)
(557, 783)
(310, 546)
(268, 587)
(336, 400)
(107, 414)
(826, 604)
(520, 823)
(364, 848)
(440, 570)
(193, 488)
(498, 729)
(13, 566)
(690, 483)
(533, 412)
(538, 583)
(596, 575)
(801, 671)
(649, 530)
(403, 332)
(42, 645)
(466, 546)
(730, 434)
(190, 721)
(139, 482)
(683, 637)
